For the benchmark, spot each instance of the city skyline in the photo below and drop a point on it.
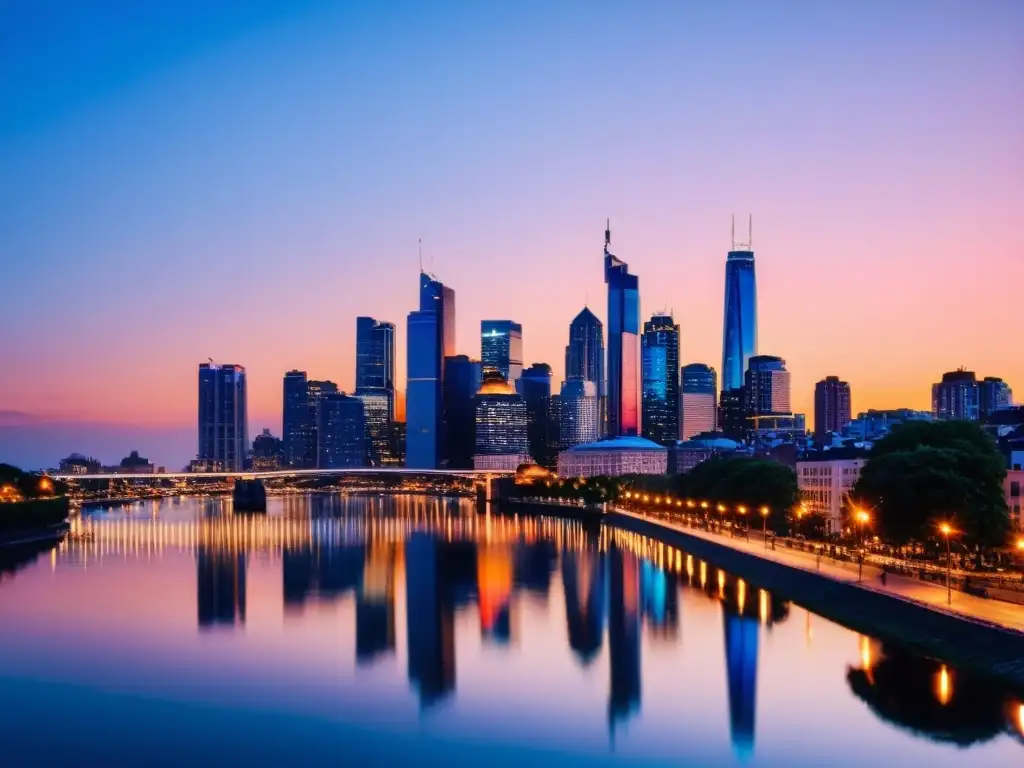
(853, 224)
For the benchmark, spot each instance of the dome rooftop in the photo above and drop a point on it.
(621, 443)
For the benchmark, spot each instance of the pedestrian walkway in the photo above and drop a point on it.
(934, 596)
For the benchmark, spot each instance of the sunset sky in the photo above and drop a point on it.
(178, 183)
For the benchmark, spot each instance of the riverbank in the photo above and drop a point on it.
(988, 644)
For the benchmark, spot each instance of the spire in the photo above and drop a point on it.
(607, 233)
(419, 245)
(750, 233)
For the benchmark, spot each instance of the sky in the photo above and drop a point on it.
(179, 183)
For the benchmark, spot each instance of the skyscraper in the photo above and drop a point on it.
(699, 400)
(375, 386)
(739, 330)
(462, 378)
(223, 417)
(535, 387)
(623, 343)
(297, 424)
(316, 391)
(660, 372)
(501, 348)
(831, 406)
(767, 387)
(994, 394)
(431, 338)
(341, 431)
(579, 413)
(956, 396)
(584, 356)
(501, 441)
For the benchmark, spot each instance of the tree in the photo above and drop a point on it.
(752, 483)
(924, 473)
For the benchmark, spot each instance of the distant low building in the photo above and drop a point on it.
(825, 482)
(687, 454)
(626, 455)
(77, 464)
(874, 424)
(267, 452)
(133, 464)
(1013, 487)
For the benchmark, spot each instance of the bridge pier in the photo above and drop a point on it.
(249, 495)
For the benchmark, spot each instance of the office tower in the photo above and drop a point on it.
(431, 338)
(956, 396)
(500, 425)
(266, 452)
(739, 331)
(732, 414)
(699, 400)
(555, 425)
(584, 356)
(767, 387)
(579, 411)
(501, 348)
(994, 394)
(535, 388)
(660, 373)
(462, 379)
(831, 406)
(316, 390)
(623, 344)
(223, 418)
(375, 386)
(297, 427)
(341, 432)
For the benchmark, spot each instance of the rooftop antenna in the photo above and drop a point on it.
(419, 244)
(607, 233)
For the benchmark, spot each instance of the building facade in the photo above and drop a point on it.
(341, 431)
(732, 413)
(462, 377)
(767, 388)
(267, 452)
(956, 396)
(316, 391)
(831, 406)
(535, 388)
(698, 402)
(501, 439)
(626, 455)
(994, 394)
(623, 344)
(584, 356)
(739, 327)
(1013, 487)
(825, 484)
(501, 348)
(579, 413)
(375, 386)
(298, 428)
(223, 416)
(660, 375)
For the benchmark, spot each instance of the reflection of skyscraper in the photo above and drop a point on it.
(623, 344)
(319, 572)
(220, 587)
(501, 348)
(494, 590)
(660, 600)
(583, 581)
(430, 620)
(375, 604)
(739, 329)
(623, 634)
(741, 638)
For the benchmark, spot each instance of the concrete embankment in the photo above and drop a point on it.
(982, 647)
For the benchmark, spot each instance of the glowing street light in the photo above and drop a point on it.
(947, 530)
(863, 518)
(764, 529)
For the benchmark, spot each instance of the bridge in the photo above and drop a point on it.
(480, 474)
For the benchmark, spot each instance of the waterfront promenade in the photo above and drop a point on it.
(928, 594)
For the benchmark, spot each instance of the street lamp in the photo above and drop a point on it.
(743, 511)
(862, 518)
(764, 516)
(947, 530)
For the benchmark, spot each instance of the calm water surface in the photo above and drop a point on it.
(397, 631)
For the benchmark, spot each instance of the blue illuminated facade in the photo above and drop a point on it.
(623, 344)
(660, 367)
(739, 328)
(501, 348)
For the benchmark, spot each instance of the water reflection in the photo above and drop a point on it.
(430, 564)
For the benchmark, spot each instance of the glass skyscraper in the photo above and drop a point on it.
(431, 338)
(767, 387)
(375, 386)
(831, 406)
(739, 328)
(223, 417)
(579, 413)
(699, 400)
(297, 426)
(316, 391)
(341, 432)
(501, 441)
(994, 394)
(660, 371)
(584, 356)
(623, 344)
(501, 348)
(535, 387)
(956, 396)
(462, 378)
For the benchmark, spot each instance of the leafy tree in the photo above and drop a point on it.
(924, 473)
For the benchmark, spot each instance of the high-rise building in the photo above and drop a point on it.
(501, 441)
(699, 400)
(375, 386)
(341, 432)
(623, 343)
(316, 391)
(223, 416)
(579, 412)
(831, 406)
(266, 452)
(501, 348)
(584, 356)
(431, 338)
(535, 388)
(994, 394)
(660, 372)
(956, 396)
(767, 387)
(732, 413)
(739, 330)
(298, 427)
(462, 379)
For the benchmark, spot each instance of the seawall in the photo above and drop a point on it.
(984, 648)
